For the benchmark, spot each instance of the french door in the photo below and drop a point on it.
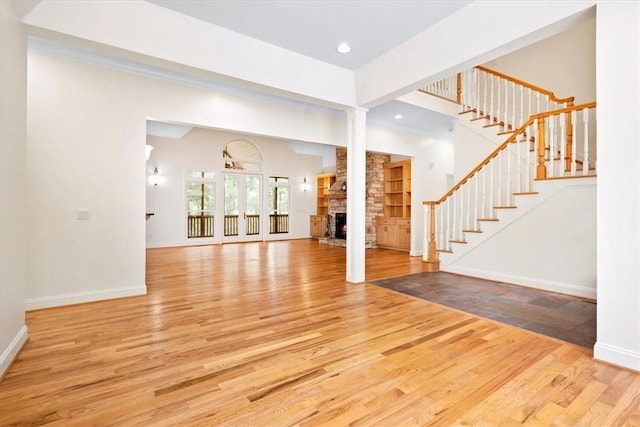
(242, 208)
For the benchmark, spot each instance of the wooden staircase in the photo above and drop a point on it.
(546, 138)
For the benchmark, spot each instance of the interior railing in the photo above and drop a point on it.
(551, 144)
(501, 99)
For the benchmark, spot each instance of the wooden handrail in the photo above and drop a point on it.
(564, 110)
(551, 95)
(481, 164)
(502, 146)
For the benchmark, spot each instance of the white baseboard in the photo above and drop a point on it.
(617, 356)
(82, 297)
(11, 352)
(532, 282)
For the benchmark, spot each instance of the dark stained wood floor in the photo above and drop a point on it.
(270, 334)
(560, 316)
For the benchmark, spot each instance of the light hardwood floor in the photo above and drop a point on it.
(269, 334)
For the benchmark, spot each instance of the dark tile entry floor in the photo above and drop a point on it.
(568, 318)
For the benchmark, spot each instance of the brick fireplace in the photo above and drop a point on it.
(374, 196)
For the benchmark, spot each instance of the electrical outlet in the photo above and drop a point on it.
(83, 214)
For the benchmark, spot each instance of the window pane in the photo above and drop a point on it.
(231, 187)
(279, 199)
(200, 198)
(283, 200)
(200, 175)
(253, 195)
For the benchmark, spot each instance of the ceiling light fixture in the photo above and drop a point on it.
(398, 116)
(343, 48)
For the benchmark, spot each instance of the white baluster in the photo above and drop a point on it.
(476, 88)
(521, 105)
(491, 111)
(498, 112)
(486, 92)
(451, 214)
(563, 143)
(492, 202)
(538, 101)
(514, 126)
(585, 155)
(442, 225)
(574, 149)
(461, 214)
(509, 186)
(533, 132)
(552, 151)
(426, 229)
(506, 105)
(529, 100)
(476, 202)
(499, 159)
(519, 173)
(483, 196)
(468, 205)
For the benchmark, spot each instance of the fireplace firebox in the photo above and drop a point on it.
(341, 226)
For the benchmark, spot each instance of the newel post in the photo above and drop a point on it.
(432, 263)
(459, 88)
(541, 169)
(569, 150)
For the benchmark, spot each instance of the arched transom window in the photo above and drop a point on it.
(242, 155)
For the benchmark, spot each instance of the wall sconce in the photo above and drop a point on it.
(305, 185)
(148, 149)
(155, 177)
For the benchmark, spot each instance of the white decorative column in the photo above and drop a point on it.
(356, 189)
(618, 231)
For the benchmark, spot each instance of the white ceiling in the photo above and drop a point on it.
(315, 27)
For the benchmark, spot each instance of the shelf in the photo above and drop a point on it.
(323, 184)
(397, 189)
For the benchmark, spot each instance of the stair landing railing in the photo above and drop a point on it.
(501, 99)
(552, 144)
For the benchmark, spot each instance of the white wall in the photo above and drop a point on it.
(85, 150)
(564, 63)
(472, 144)
(618, 86)
(201, 149)
(13, 200)
(551, 247)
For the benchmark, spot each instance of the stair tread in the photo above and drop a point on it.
(480, 118)
(467, 111)
(488, 219)
(525, 193)
(493, 124)
(504, 207)
(472, 231)
(446, 251)
(566, 177)
(458, 241)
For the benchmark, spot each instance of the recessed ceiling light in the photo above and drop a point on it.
(343, 48)
(398, 116)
